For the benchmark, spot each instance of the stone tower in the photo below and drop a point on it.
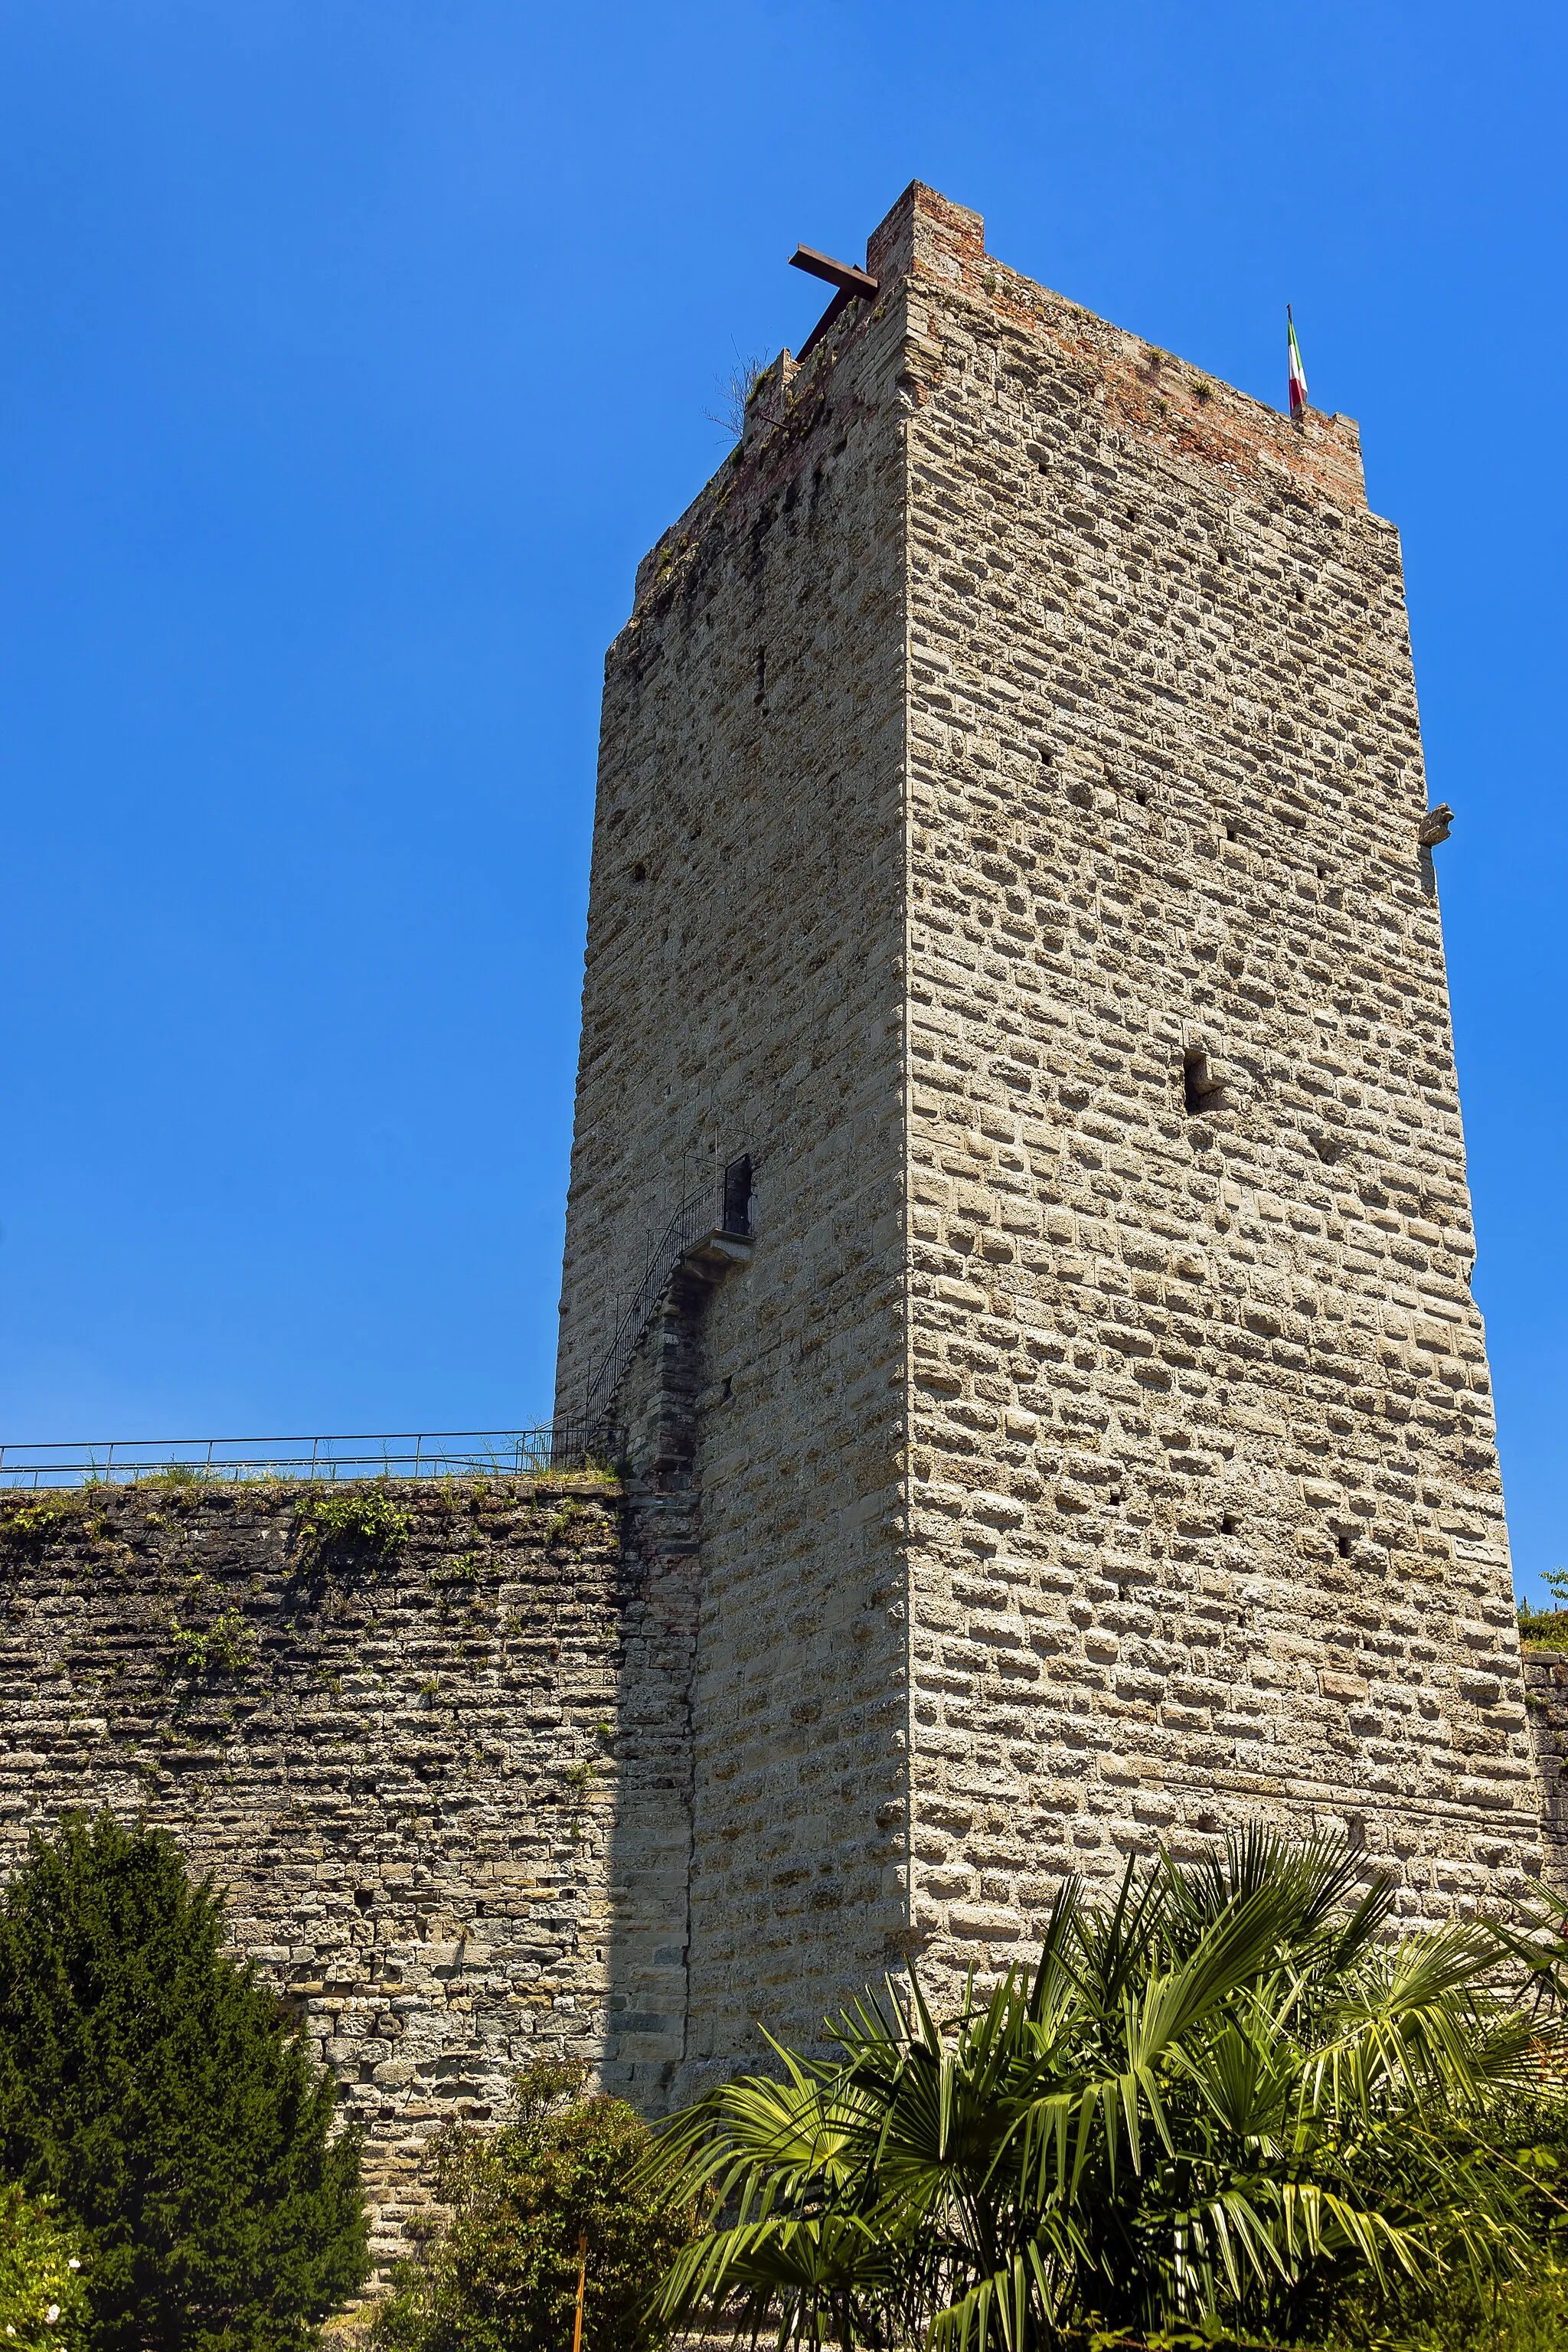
(1072, 1428)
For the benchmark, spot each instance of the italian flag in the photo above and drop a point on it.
(1298, 372)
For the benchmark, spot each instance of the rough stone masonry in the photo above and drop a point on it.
(417, 1740)
(1007, 837)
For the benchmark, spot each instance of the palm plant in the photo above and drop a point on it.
(1538, 1939)
(1214, 2104)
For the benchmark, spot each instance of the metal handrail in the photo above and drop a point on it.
(563, 1446)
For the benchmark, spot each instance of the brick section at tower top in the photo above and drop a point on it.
(1140, 389)
(1009, 791)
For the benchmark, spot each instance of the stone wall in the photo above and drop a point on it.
(425, 1774)
(1546, 1699)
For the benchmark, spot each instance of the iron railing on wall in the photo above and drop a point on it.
(502, 1453)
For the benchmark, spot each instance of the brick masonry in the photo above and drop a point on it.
(1006, 833)
(426, 1776)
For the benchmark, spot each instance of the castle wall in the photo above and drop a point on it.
(414, 1771)
(1206, 1518)
(744, 993)
(1546, 1700)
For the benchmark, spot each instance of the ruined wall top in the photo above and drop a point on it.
(928, 246)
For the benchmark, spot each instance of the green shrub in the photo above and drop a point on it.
(1549, 1627)
(161, 2096)
(504, 2276)
(42, 2299)
(226, 1647)
(362, 1516)
(1525, 2315)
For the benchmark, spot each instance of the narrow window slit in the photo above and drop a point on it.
(737, 1206)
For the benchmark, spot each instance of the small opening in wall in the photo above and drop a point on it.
(761, 671)
(1227, 1524)
(1201, 1091)
(738, 1195)
(639, 873)
(1115, 1494)
(1230, 833)
(1142, 799)
(1347, 1546)
(1321, 871)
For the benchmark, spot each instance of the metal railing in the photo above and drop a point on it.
(717, 1206)
(490, 1452)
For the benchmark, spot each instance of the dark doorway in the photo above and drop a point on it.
(737, 1207)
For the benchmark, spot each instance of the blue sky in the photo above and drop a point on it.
(351, 356)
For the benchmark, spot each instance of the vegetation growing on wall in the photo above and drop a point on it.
(31, 1520)
(228, 1646)
(361, 1516)
(1548, 1628)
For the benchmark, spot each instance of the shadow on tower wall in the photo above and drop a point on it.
(651, 1835)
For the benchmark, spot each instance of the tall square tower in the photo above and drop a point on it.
(1007, 863)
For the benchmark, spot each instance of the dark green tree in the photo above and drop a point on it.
(161, 2096)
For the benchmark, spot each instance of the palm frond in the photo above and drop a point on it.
(1215, 2098)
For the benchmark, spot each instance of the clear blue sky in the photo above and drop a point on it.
(351, 356)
